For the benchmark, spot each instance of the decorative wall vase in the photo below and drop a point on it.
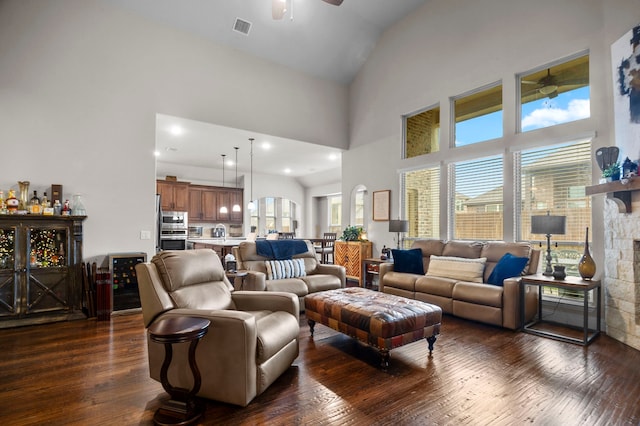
(559, 272)
(587, 266)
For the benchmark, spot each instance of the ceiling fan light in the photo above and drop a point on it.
(549, 89)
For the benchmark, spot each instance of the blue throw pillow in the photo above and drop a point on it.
(409, 261)
(507, 267)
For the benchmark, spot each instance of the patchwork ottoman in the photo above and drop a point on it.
(383, 321)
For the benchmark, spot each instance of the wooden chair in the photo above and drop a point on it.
(326, 248)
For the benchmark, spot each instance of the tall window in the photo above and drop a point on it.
(335, 213)
(477, 200)
(270, 214)
(553, 179)
(422, 203)
(422, 132)
(555, 94)
(359, 208)
(478, 116)
(287, 225)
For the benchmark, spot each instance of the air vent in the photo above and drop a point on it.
(242, 26)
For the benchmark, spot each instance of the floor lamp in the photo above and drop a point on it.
(548, 225)
(398, 226)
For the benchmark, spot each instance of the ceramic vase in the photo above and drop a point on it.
(587, 266)
(559, 272)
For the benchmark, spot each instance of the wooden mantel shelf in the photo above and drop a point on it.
(616, 191)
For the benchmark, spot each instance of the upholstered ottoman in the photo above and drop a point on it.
(383, 321)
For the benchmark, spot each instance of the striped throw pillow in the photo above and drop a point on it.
(280, 269)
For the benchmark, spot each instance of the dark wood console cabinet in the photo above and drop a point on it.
(40, 269)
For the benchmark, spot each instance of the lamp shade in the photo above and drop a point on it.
(548, 224)
(398, 225)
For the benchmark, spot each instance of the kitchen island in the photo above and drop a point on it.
(222, 246)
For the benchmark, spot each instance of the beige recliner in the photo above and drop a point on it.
(252, 339)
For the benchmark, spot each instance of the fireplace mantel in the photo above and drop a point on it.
(617, 191)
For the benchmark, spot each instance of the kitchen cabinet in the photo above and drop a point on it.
(174, 196)
(40, 269)
(236, 197)
(350, 254)
(202, 203)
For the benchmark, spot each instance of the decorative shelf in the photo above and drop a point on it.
(617, 191)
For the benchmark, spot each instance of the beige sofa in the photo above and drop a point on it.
(493, 304)
(317, 276)
(252, 339)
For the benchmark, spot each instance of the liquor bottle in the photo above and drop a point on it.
(57, 208)
(34, 204)
(12, 202)
(3, 209)
(66, 208)
(45, 201)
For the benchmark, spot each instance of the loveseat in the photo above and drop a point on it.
(252, 339)
(307, 276)
(468, 279)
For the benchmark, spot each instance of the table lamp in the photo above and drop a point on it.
(398, 226)
(548, 225)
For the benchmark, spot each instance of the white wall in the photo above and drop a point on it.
(81, 83)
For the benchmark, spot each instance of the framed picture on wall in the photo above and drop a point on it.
(381, 205)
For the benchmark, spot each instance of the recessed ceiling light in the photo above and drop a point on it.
(176, 130)
(156, 153)
(333, 156)
(287, 170)
(266, 146)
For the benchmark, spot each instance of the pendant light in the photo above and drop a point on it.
(223, 209)
(236, 207)
(251, 206)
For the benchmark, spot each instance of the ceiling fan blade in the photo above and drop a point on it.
(278, 9)
(333, 2)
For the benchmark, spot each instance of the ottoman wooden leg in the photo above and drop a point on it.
(431, 340)
(312, 324)
(384, 359)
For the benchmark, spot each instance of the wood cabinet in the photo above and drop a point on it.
(40, 269)
(350, 254)
(174, 196)
(202, 203)
(236, 197)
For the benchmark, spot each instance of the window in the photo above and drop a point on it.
(476, 194)
(555, 94)
(422, 132)
(478, 116)
(270, 214)
(553, 179)
(335, 213)
(359, 208)
(422, 203)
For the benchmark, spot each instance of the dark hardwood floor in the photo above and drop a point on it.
(95, 373)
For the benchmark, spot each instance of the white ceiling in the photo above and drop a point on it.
(329, 42)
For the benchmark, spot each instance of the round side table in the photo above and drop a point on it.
(182, 408)
(234, 277)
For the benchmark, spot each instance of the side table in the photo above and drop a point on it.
(234, 277)
(370, 268)
(569, 283)
(182, 408)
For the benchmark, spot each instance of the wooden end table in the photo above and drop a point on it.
(569, 283)
(371, 267)
(182, 408)
(234, 276)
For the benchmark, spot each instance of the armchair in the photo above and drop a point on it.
(252, 339)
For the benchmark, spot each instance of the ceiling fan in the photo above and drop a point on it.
(549, 84)
(279, 7)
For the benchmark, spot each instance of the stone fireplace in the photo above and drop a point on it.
(622, 271)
